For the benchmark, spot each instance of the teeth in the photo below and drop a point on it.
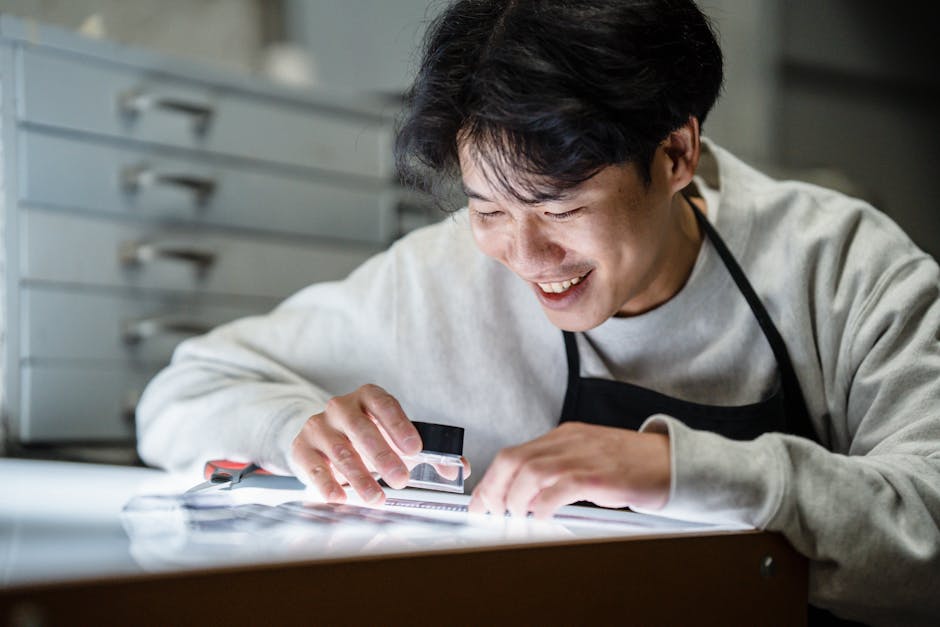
(558, 288)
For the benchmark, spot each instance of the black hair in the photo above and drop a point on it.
(548, 92)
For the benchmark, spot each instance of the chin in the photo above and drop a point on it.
(573, 322)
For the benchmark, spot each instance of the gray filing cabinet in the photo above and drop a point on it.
(145, 201)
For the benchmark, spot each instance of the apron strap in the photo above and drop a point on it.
(568, 410)
(794, 402)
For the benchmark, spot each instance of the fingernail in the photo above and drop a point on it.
(412, 443)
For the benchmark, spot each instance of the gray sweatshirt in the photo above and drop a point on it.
(458, 339)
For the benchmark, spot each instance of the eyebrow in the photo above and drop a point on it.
(469, 193)
(561, 196)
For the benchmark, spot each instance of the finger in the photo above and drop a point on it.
(568, 489)
(448, 471)
(386, 410)
(316, 470)
(492, 487)
(466, 466)
(341, 453)
(371, 444)
(476, 505)
(531, 478)
(499, 476)
(344, 457)
(481, 504)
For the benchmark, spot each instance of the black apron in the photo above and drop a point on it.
(618, 404)
(627, 406)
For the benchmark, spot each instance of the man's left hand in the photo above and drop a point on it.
(577, 462)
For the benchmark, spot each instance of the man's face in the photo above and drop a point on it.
(604, 248)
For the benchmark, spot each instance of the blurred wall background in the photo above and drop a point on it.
(225, 33)
(839, 92)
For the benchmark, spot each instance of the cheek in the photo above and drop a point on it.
(488, 241)
(604, 246)
(629, 231)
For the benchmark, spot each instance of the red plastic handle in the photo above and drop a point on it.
(227, 465)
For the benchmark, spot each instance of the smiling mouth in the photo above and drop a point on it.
(560, 287)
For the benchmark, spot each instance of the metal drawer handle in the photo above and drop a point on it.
(134, 102)
(136, 253)
(136, 331)
(136, 177)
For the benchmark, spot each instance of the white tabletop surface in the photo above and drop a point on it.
(62, 521)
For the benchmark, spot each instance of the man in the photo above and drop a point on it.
(625, 314)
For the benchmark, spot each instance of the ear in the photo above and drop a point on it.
(680, 153)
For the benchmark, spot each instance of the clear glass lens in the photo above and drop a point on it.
(435, 471)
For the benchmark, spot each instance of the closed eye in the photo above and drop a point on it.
(487, 215)
(564, 215)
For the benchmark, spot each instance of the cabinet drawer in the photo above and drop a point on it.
(97, 97)
(64, 248)
(68, 325)
(67, 173)
(80, 404)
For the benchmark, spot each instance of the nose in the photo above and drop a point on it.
(533, 249)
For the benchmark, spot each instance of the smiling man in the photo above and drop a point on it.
(624, 314)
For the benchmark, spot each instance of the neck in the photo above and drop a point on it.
(680, 252)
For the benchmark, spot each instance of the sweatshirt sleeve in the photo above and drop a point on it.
(869, 520)
(244, 390)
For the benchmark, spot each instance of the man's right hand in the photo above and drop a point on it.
(354, 435)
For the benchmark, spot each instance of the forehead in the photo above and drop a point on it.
(488, 177)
